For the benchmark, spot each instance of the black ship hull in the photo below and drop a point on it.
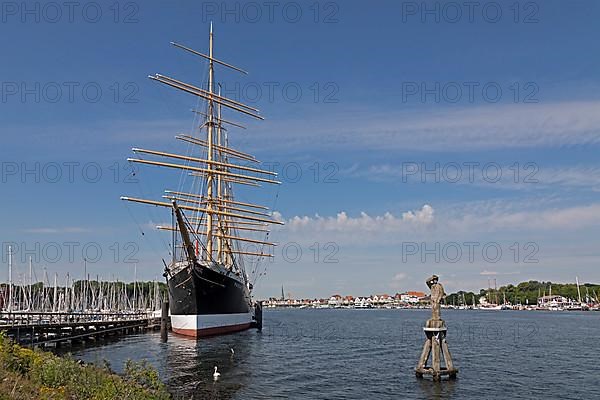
(206, 302)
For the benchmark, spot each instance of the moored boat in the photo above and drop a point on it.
(210, 292)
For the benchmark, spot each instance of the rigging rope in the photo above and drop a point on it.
(256, 277)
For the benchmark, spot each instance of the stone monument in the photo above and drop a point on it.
(435, 342)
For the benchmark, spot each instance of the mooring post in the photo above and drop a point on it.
(258, 315)
(164, 317)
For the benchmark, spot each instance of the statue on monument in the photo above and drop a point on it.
(437, 295)
(435, 342)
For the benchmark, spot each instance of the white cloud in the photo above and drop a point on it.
(568, 218)
(530, 177)
(399, 277)
(49, 230)
(102, 138)
(486, 272)
(495, 273)
(470, 221)
(581, 176)
(398, 280)
(277, 216)
(450, 129)
(424, 215)
(364, 223)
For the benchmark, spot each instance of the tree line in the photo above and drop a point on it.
(526, 293)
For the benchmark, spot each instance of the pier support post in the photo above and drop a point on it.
(258, 315)
(164, 317)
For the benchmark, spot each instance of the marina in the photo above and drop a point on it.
(300, 200)
(37, 313)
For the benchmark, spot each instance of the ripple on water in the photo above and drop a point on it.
(371, 354)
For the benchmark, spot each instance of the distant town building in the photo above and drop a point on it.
(408, 299)
(412, 297)
(335, 301)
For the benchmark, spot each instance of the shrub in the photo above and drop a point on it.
(55, 377)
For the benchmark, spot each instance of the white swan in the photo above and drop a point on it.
(216, 374)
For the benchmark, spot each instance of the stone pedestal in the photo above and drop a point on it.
(436, 346)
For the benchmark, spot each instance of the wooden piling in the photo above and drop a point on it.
(258, 315)
(424, 357)
(436, 346)
(164, 317)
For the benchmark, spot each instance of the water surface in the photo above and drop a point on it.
(371, 354)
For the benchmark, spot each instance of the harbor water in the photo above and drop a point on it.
(371, 354)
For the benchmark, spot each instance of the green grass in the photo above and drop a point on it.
(36, 374)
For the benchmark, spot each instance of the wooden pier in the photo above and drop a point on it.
(46, 328)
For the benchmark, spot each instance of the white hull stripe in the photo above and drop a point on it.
(209, 321)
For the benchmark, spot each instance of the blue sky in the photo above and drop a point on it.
(362, 99)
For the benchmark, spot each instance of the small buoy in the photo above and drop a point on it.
(216, 374)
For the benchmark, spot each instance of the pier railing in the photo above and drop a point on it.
(24, 318)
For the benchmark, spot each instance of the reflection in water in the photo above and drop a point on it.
(431, 390)
(192, 365)
(84, 346)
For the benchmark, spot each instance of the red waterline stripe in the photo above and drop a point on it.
(218, 330)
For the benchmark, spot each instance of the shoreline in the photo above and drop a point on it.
(276, 308)
(27, 374)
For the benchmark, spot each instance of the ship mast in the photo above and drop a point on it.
(209, 174)
(220, 169)
(220, 220)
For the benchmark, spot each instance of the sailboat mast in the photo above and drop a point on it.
(30, 283)
(67, 297)
(55, 293)
(209, 167)
(84, 283)
(10, 282)
(135, 301)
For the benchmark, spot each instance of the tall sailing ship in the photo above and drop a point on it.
(209, 288)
